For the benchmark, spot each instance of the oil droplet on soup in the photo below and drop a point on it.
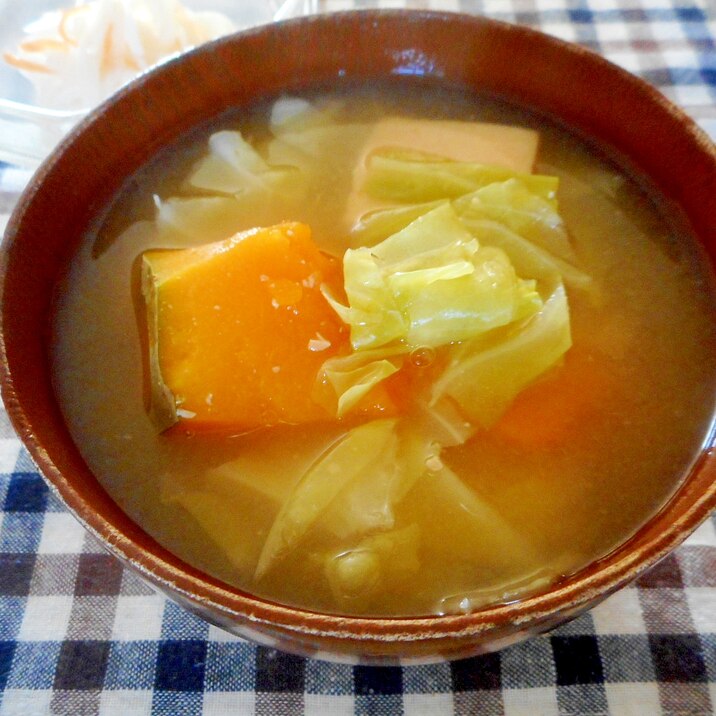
(387, 504)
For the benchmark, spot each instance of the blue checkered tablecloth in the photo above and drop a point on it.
(81, 635)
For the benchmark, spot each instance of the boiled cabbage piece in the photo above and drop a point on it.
(380, 561)
(236, 501)
(374, 226)
(232, 187)
(353, 376)
(351, 458)
(413, 177)
(232, 166)
(485, 374)
(352, 493)
(449, 511)
(179, 220)
(514, 211)
(352, 489)
(516, 205)
(430, 284)
(528, 258)
(512, 148)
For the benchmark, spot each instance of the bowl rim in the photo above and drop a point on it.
(578, 591)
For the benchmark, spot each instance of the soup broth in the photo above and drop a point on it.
(581, 458)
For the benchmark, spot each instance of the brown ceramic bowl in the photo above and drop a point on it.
(65, 197)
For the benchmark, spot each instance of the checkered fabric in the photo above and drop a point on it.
(81, 635)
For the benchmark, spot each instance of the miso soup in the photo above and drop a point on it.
(452, 353)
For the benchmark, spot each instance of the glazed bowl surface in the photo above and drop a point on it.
(590, 96)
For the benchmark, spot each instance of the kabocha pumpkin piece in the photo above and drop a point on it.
(238, 329)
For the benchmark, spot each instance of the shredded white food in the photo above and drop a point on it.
(77, 57)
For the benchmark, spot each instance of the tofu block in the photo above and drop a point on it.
(238, 329)
(482, 142)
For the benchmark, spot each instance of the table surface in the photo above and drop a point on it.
(81, 635)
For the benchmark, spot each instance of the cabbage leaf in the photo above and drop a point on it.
(521, 210)
(528, 258)
(352, 489)
(351, 458)
(485, 374)
(183, 219)
(355, 574)
(431, 284)
(230, 157)
(232, 167)
(377, 225)
(415, 177)
(354, 375)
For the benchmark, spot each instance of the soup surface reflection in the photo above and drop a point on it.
(557, 477)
